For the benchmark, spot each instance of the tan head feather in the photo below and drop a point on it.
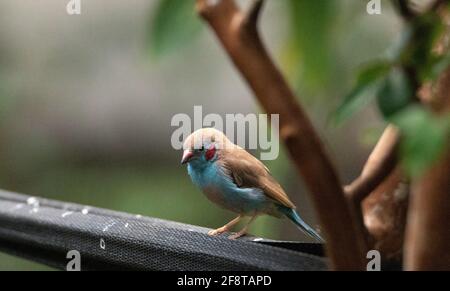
(204, 136)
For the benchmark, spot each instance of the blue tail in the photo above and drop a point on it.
(295, 218)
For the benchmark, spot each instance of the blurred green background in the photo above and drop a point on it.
(86, 101)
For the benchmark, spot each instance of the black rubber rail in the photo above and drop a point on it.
(44, 231)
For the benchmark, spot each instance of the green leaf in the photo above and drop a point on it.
(423, 138)
(174, 25)
(311, 24)
(395, 94)
(367, 84)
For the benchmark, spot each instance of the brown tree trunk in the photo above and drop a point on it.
(428, 231)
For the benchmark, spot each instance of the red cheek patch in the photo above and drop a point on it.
(210, 153)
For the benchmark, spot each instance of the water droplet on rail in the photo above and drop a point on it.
(67, 213)
(33, 202)
(138, 216)
(102, 244)
(85, 211)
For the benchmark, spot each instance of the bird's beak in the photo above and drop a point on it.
(187, 155)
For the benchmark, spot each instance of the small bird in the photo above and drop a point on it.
(235, 180)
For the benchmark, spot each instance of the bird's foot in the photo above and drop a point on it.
(237, 235)
(218, 231)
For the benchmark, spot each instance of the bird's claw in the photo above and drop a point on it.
(237, 235)
(219, 231)
(216, 232)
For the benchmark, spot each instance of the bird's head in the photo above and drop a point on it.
(204, 146)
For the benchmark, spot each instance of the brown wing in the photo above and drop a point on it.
(249, 172)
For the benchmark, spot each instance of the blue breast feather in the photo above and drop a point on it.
(220, 189)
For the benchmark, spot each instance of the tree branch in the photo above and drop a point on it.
(385, 215)
(427, 232)
(251, 18)
(384, 157)
(238, 34)
(379, 165)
